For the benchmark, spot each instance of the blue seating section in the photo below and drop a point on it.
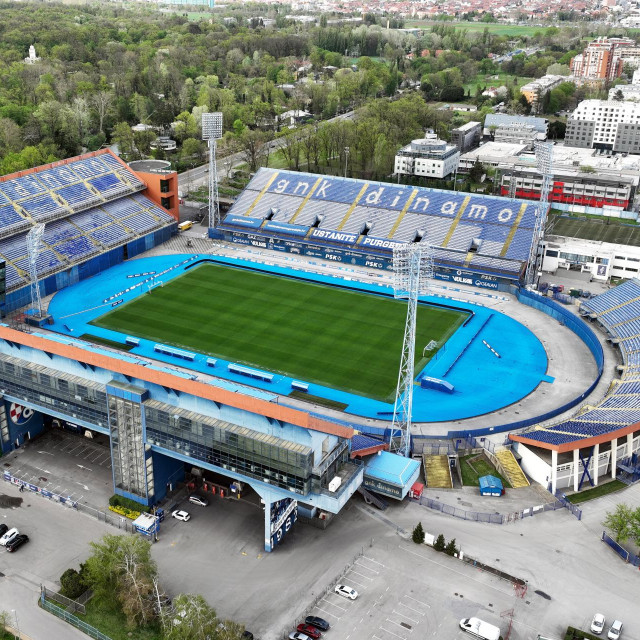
(618, 311)
(69, 237)
(397, 210)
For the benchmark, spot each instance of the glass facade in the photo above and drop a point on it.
(127, 446)
(258, 455)
(67, 394)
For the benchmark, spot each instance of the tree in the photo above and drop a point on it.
(476, 171)
(72, 583)
(101, 102)
(618, 96)
(451, 548)
(122, 567)
(619, 522)
(255, 148)
(418, 534)
(439, 544)
(634, 526)
(191, 618)
(123, 137)
(557, 69)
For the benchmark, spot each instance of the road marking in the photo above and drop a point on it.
(45, 453)
(84, 486)
(412, 609)
(43, 470)
(372, 560)
(364, 586)
(393, 634)
(333, 615)
(352, 571)
(337, 606)
(83, 467)
(418, 601)
(464, 575)
(367, 568)
(404, 615)
(398, 625)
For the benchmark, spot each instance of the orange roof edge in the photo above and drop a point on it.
(165, 379)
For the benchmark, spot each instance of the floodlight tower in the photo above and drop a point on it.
(34, 241)
(412, 269)
(544, 163)
(212, 132)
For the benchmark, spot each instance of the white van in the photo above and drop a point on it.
(480, 629)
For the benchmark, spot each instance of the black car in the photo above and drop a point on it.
(18, 541)
(318, 623)
(3, 529)
(248, 635)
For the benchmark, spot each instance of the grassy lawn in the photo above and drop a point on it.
(601, 229)
(490, 80)
(341, 339)
(481, 467)
(596, 492)
(109, 619)
(498, 29)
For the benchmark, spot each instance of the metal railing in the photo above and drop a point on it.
(71, 606)
(73, 620)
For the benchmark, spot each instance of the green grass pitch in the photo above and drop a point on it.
(337, 338)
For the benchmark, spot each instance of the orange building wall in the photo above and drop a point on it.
(152, 180)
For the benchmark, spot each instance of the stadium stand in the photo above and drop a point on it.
(618, 312)
(88, 204)
(491, 234)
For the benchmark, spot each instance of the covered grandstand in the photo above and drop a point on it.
(596, 430)
(97, 212)
(484, 239)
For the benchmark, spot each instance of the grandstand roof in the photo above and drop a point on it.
(89, 204)
(391, 468)
(370, 216)
(618, 312)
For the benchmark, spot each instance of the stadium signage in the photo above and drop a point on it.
(382, 487)
(283, 227)
(379, 243)
(283, 515)
(243, 221)
(334, 236)
(486, 282)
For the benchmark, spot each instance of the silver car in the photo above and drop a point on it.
(615, 631)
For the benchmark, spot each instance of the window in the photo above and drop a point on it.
(165, 186)
(552, 254)
(167, 203)
(630, 269)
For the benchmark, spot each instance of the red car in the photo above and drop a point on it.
(310, 630)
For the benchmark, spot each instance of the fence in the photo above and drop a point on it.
(71, 606)
(73, 620)
(327, 589)
(621, 551)
(491, 518)
(577, 512)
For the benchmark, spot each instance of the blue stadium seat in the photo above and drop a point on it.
(110, 236)
(77, 194)
(17, 189)
(9, 217)
(42, 206)
(77, 248)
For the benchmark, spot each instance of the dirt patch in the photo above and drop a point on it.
(9, 502)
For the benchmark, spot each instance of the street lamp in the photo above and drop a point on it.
(227, 167)
(15, 615)
(346, 159)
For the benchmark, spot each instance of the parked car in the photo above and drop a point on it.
(297, 635)
(194, 499)
(347, 592)
(17, 541)
(8, 535)
(597, 624)
(310, 630)
(181, 515)
(3, 529)
(247, 634)
(318, 623)
(615, 631)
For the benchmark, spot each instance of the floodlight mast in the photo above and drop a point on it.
(412, 269)
(544, 163)
(34, 242)
(212, 132)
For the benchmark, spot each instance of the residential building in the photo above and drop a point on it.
(629, 92)
(603, 59)
(429, 157)
(536, 89)
(605, 124)
(466, 136)
(518, 134)
(495, 120)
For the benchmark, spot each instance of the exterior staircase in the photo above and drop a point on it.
(511, 469)
(437, 472)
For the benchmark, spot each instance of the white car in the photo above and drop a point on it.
(615, 631)
(298, 635)
(9, 536)
(597, 624)
(181, 515)
(345, 591)
(201, 502)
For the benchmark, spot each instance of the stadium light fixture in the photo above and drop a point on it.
(34, 243)
(212, 132)
(412, 271)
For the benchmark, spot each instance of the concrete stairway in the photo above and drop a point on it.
(437, 472)
(511, 469)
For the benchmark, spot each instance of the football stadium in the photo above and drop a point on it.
(262, 356)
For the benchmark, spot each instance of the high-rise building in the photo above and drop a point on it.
(603, 59)
(605, 124)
